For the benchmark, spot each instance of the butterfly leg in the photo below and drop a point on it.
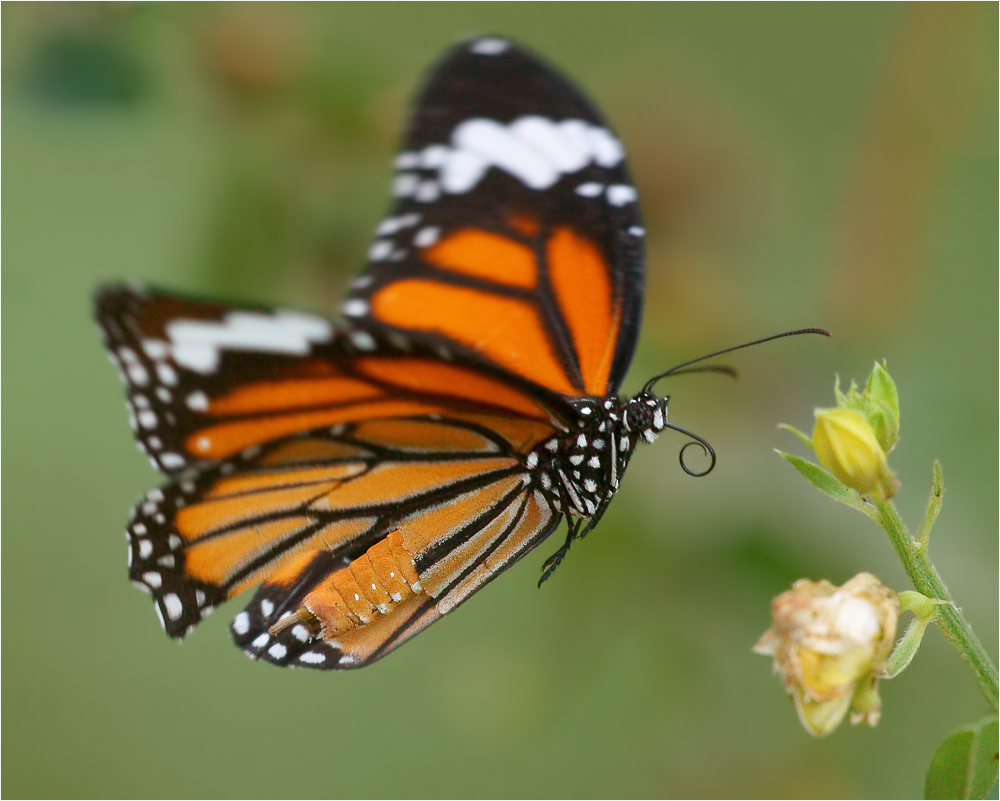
(572, 533)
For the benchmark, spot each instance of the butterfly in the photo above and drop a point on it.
(368, 476)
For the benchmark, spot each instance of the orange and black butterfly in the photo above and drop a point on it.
(368, 476)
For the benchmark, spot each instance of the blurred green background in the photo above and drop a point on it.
(831, 165)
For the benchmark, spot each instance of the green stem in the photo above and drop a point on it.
(927, 581)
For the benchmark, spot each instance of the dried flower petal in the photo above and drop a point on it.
(830, 645)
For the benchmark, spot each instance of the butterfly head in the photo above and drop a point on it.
(645, 416)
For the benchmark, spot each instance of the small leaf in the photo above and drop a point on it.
(827, 484)
(907, 647)
(933, 507)
(924, 610)
(797, 433)
(965, 764)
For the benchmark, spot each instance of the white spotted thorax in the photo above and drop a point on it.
(580, 471)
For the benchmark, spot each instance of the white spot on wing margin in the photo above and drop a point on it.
(537, 151)
(489, 46)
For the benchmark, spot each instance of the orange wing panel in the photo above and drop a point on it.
(423, 436)
(583, 289)
(389, 483)
(218, 560)
(445, 570)
(291, 568)
(485, 255)
(257, 482)
(522, 434)
(329, 537)
(215, 560)
(425, 529)
(268, 395)
(310, 450)
(506, 330)
(424, 375)
(225, 439)
(535, 518)
(211, 515)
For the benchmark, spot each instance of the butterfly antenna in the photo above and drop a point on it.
(682, 367)
(724, 369)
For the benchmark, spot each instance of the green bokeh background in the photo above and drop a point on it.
(829, 165)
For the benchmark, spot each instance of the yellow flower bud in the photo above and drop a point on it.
(830, 646)
(878, 404)
(846, 445)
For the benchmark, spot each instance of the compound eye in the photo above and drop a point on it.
(638, 417)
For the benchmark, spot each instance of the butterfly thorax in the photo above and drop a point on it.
(581, 469)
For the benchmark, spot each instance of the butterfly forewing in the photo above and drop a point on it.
(206, 381)
(514, 233)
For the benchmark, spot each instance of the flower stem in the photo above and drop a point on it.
(927, 581)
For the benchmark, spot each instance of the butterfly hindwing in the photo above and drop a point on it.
(404, 519)
(326, 614)
(515, 235)
(222, 526)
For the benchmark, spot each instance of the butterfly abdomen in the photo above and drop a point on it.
(372, 585)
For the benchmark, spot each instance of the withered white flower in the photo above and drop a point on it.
(830, 645)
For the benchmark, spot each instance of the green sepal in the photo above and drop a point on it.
(965, 764)
(920, 605)
(880, 387)
(883, 399)
(842, 399)
(883, 423)
(828, 484)
(852, 400)
(799, 434)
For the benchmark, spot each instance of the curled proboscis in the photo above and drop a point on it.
(706, 448)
